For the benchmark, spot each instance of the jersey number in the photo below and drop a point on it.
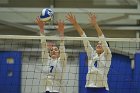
(51, 68)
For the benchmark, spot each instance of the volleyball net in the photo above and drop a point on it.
(22, 71)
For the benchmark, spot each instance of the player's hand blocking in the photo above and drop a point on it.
(71, 18)
(41, 24)
(60, 28)
(92, 19)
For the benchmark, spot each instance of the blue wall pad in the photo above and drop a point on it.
(83, 69)
(136, 81)
(10, 72)
(120, 74)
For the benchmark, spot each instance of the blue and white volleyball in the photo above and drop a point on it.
(46, 15)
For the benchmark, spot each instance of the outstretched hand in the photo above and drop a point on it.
(71, 18)
(92, 19)
(60, 27)
(41, 24)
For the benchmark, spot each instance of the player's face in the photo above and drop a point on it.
(99, 48)
(54, 52)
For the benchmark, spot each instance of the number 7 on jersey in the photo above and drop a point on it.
(51, 69)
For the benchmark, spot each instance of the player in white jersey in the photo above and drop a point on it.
(96, 79)
(54, 62)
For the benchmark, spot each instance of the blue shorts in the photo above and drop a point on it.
(51, 92)
(96, 90)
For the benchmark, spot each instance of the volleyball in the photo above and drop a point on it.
(46, 15)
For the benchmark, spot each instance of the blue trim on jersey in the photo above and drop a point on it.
(95, 64)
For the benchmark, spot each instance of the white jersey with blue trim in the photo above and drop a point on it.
(97, 76)
(53, 70)
(52, 74)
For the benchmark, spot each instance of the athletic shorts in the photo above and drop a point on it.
(96, 90)
(51, 92)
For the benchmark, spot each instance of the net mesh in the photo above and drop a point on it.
(31, 65)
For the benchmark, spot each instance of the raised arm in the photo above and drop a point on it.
(44, 50)
(63, 56)
(94, 23)
(41, 25)
(71, 18)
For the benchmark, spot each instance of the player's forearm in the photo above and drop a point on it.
(98, 29)
(42, 32)
(78, 28)
(44, 50)
(87, 45)
(63, 56)
(105, 44)
(102, 38)
(62, 50)
(62, 46)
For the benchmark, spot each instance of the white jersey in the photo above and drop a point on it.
(52, 72)
(97, 76)
(51, 68)
(52, 75)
